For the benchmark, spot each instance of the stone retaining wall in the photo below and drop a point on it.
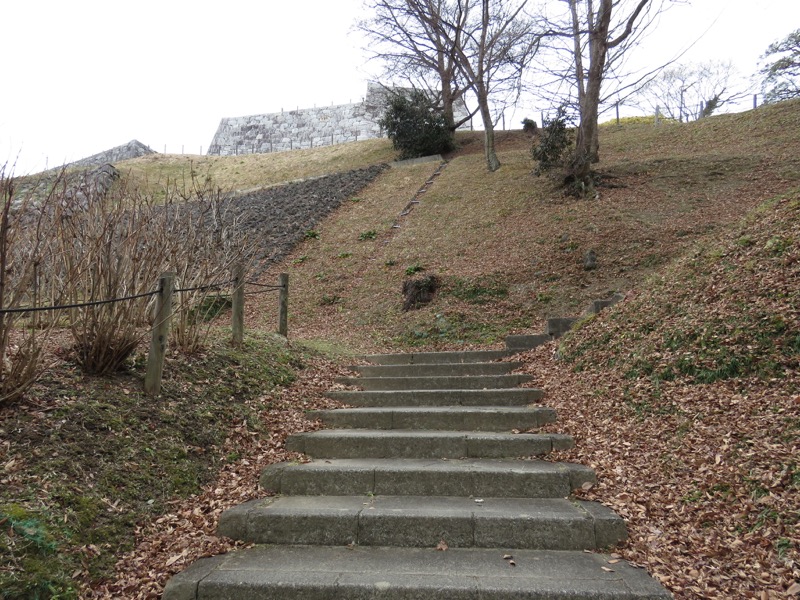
(304, 128)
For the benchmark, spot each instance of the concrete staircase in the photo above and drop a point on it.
(421, 491)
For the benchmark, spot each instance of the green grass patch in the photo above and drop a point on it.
(108, 457)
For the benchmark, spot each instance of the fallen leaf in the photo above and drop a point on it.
(442, 546)
(794, 589)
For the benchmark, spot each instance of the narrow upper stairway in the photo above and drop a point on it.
(423, 490)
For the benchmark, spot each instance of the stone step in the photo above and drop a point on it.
(558, 326)
(453, 418)
(421, 477)
(518, 343)
(404, 443)
(436, 370)
(350, 573)
(432, 398)
(478, 382)
(428, 358)
(540, 524)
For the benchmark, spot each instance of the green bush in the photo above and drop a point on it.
(415, 126)
(554, 148)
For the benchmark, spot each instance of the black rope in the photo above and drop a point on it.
(265, 285)
(253, 293)
(6, 311)
(210, 286)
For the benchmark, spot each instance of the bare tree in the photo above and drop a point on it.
(592, 40)
(498, 45)
(409, 39)
(686, 92)
(482, 46)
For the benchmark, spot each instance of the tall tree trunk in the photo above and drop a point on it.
(492, 162)
(587, 145)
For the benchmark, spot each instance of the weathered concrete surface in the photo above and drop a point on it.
(356, 573)
(432, 477)
(477, 382)
(436, 370)
(408, 398)
(428, 358)
(453, 418)
(371, 443)
(422, 521)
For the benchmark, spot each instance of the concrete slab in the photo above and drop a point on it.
(436, 370)
(477, 382)
(419, 477)
(427, 358)
(413, 521)
(404, 443)
(338, 573)
(454, 397)
(454, 418)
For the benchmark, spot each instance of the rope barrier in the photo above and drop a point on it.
(210, 286)
(6, 311)
(265, 285)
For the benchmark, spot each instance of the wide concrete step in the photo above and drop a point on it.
(479, 382)
(406, 521)
(427, 358)
(353, 573)
(518, 343)
(406, 443)
(421, 477)
(435, 370)
(434, 398)
(453, 418)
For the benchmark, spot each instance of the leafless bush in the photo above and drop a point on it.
(26, 240)
(213, 245)
(115, 244)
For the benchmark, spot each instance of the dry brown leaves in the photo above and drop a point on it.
(707, 480)
(171, 542)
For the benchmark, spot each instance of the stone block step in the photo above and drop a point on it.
(404, 443)
(351, 573)
(436, 370)
(454, 418)
(406, 521)
(433, 398)
(421, 477)
(479, 382)
(518, 343)
(558, 326)
(428, 358)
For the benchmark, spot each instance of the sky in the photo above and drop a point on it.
(83, 76)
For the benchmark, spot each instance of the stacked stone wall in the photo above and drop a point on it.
(295, 129)
(306, 128)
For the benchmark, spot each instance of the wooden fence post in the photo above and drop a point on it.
(237, 305)
(283, 310)
(158, 343)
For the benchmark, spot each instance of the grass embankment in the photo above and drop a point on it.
(686, 399)
(508, 248)
(86, 460)
(250, 171)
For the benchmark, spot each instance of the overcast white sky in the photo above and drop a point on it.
(83, 76)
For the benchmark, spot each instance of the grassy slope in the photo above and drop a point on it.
(509, 250)
(686, 399)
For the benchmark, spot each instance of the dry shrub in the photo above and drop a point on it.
(212, 247)
(26, 240)
(115, 244)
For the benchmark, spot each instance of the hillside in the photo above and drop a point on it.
(684, 397)
(509, 249)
